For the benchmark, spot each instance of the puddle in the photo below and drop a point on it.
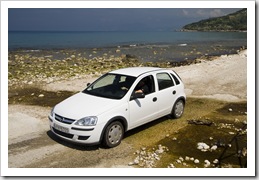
(184, 144)
(233, 109)
(36, 96)
(226, 134)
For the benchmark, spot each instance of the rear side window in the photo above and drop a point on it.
(176, 80)
(164, 81)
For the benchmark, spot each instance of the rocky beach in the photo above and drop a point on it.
(216, 89)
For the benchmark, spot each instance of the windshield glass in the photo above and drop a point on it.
(113, 86)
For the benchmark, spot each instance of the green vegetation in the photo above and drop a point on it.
(180, 137)
(233, 22)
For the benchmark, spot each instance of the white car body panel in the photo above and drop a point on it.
(81, 105)
(142, 111)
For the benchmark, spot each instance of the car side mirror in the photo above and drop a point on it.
(137, 96)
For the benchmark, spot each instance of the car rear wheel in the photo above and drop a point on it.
(178, 109)
(113, 134)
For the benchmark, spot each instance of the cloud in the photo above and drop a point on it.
(107, 19)
(185, 12)
(203, 13)
(209, 13)
(216, 13)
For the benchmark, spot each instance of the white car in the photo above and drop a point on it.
(117, 102)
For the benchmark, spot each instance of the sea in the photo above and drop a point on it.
(146, 46)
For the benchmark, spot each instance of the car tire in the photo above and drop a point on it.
(178, 109)
(113, 134)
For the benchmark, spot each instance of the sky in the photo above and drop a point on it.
(108, 19)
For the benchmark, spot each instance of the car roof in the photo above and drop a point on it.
(136, 71)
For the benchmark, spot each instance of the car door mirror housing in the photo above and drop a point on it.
(137, 96)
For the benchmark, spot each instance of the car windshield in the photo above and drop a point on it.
(113, 86)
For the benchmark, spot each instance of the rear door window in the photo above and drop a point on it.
(164, 81)
(176, 80)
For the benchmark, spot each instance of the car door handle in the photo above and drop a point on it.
(174, 92)
(154, 99)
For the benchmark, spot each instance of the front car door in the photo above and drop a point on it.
(143, 110)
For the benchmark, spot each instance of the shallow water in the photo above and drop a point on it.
(227, 132)
(146, 46)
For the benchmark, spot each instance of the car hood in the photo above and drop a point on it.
(81, 105)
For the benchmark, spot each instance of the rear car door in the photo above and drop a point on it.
(167, 93)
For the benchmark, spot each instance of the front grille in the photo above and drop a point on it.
(70, 136)
(63, 119)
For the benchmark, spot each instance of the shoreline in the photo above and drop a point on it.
(223, 77)
(30, 69)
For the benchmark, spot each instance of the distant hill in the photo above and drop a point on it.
(233, 22)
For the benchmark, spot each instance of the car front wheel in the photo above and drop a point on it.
(178, 109)
(113, 134)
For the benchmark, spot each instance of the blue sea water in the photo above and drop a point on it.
(175, 44)
(60, 40)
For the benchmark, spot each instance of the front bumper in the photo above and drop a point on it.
(76, 134)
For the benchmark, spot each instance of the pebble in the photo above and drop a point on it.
(157, 158)
(214, 147)
(181, 159)
(147, 158)
(207, 163)
(171, 166)
(216, 161)
(203, 146)
(143, 148)
(230, 109)
(136, 161)
(236, 120)
(131, 163)
(196, 161)
(244, 151)
(187, 158)
(41, 95)
(178, 161)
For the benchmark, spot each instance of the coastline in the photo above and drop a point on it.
(222, 78)
(34, 68)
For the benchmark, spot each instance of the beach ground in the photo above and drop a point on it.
(210, 85)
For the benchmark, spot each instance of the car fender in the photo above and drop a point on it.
(116, 118)
(181, 98)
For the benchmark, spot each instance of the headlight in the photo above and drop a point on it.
(87, 121)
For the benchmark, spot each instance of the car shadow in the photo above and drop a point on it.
(146, 126)
(81, 147)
